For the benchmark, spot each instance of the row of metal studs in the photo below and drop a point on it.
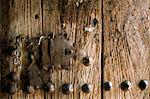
(67, 88)
(126, 85)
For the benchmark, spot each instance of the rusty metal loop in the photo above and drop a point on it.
(17, 61)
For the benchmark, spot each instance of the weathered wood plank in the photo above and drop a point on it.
(5, 25)
(71, 17)
(19, 18)
(33, 17)
(126, 46)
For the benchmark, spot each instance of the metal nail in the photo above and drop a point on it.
(12, 88)
(86, 61)
(87, 88)
(14, 76)
(94, 22)
(29, 89)
(68, 51)
(67, 88)
(143, 84)
(126, 85)
(49, 87)
(107, 86)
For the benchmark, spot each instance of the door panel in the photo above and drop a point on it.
(76, 22)
(126, 47)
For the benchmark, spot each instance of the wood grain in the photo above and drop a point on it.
(126, 46)
(34, 17)
(70, 19)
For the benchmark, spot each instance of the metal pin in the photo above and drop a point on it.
(107, 86)
(68, 51)
(49, 87)
(14, 76)
(87, 61)
(67, 88)
(29, 89)
(12, 88)
(94, 22)
(143, 84)
(87, 88)
(126, 85)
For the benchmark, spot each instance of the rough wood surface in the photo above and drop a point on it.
(73, 17)
(126, 46)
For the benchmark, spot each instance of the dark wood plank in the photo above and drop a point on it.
(18, 17)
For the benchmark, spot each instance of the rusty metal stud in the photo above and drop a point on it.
(125, 85)
(86, 61)
(68, 51)
(94, 22)
(49, 87)
(29, 89)
(36, 16)
(14, 76)
(87, 88)
(107, 86)
(67, 88)
(12, 88)
(143, 84)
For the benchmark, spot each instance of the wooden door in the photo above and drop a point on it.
(69, 23)
(109, 42)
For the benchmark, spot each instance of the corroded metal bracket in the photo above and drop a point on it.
(33, 60)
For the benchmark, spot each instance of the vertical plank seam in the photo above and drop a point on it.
(102, 50)
(1, 45)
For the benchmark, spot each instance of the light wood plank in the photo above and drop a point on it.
(71, 18)
(126, 46)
